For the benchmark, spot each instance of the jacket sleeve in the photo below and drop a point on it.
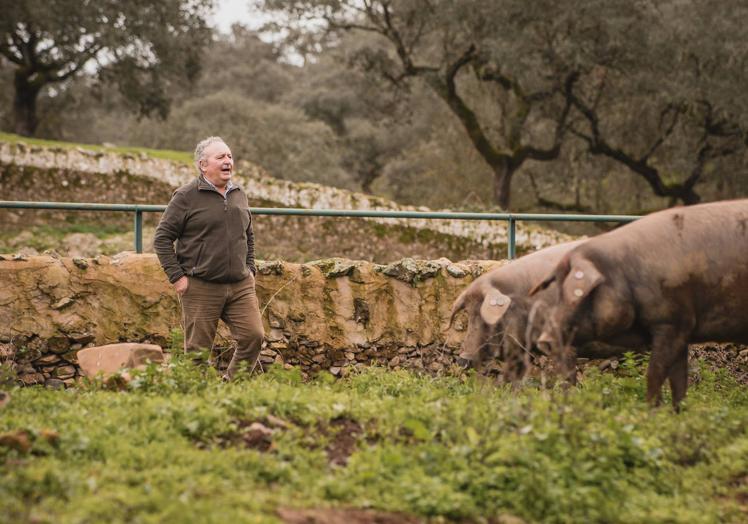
(170, 229)
(251, 247)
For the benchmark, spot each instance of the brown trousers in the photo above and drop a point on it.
(204, 303)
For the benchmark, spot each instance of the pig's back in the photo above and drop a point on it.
(521, 275)
(692, 260)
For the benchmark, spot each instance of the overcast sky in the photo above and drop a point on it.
(229, 12)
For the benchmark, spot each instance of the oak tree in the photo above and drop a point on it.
(643, 84)
(140, 46)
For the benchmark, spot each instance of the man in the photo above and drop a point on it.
(213, 267)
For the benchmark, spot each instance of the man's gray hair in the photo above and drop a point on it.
(202, 145)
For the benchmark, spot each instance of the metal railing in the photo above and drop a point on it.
(511, 218)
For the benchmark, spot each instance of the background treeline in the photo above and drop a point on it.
(596, 106)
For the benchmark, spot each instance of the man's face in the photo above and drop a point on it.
(217, 164)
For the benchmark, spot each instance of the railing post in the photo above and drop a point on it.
(511, 244)
(138, 231)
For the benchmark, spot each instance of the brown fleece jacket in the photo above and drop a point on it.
(214, 238)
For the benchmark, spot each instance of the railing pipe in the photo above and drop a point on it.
(511, 218)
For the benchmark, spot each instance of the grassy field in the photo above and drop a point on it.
(181, 446)
(115, 237)
(177, 156)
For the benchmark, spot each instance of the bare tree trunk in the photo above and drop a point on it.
(502, 184)
(25, 120)
(368, 179)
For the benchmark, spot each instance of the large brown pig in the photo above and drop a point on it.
(497, 304)
(672, 278)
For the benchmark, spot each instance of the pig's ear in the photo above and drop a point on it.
(581, 280)
(540, 286)
(494, 306)
(557, 274)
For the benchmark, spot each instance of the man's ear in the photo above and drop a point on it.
(583, 278)
(495, 305)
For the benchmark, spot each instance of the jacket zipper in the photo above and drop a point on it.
(226, 223)
(225, 220)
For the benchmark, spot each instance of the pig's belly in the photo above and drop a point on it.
(723, 325)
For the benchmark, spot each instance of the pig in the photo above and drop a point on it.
(667, 280)
(497, 304)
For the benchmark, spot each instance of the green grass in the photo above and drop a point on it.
(172, 447)
(43, 237)
(177, 156)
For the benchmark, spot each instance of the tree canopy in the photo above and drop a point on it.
(141, 46)
(590, 106)
(526, 78)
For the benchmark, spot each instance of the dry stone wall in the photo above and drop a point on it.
(265, 189)
(333, 314)
(295, 239)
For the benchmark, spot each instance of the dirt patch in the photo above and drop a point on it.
(343, 516)
(254, 434)
(345, 432)
(732, 358)
(738, 492)
(257, 436)
(341, 434)
(727, 357)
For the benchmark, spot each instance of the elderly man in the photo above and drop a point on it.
(213, 267)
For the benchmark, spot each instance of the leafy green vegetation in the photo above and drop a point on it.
(182, 446)
(165, 154)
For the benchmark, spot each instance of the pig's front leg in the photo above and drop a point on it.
(678, 377)
(669, 360)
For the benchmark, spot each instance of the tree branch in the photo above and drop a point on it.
(599, 146)
(467, 117)
(552, 153)
(397, 40)
(677, 111)
(19, 43)
(552, 204)
(8, 53)
(494, 76)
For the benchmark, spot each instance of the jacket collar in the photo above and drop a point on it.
(205, 185)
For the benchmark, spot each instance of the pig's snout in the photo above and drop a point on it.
(545, 342)
(465, 363)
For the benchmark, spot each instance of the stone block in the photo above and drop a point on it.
(64, 372)
(29, 379)
(110, 358)
(7, 351)
(58, 344)
(47, 360)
